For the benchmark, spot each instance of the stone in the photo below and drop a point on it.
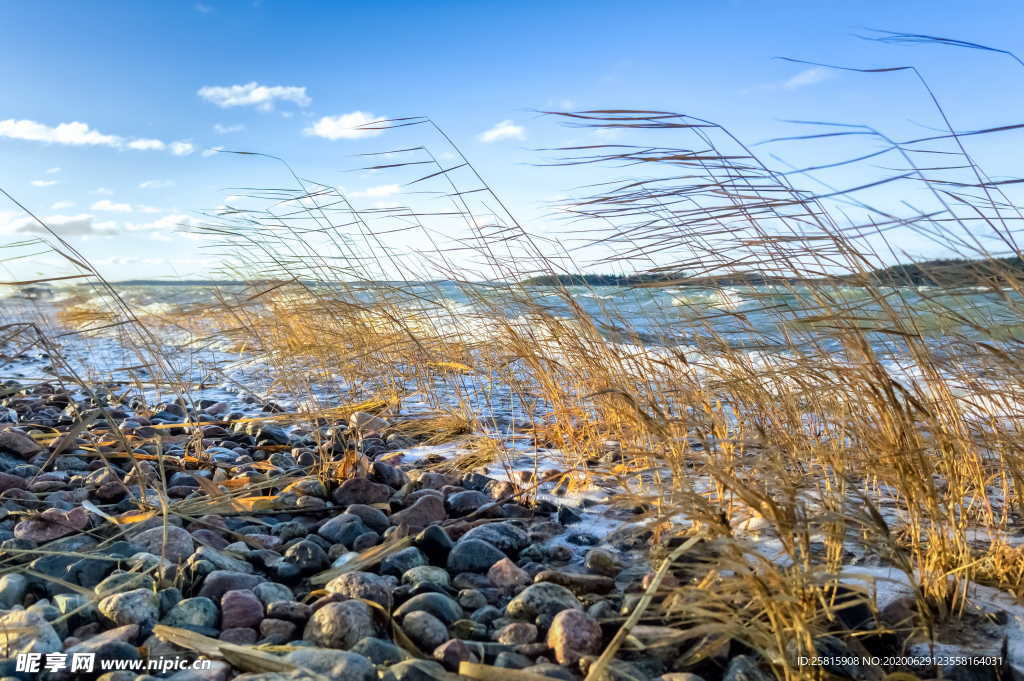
(219, 582)
(12, 590)
(18, 443)
(602, 562)
(577, 583)
(198, 614)
(507, 575)
(439, 605)
(293, 611)
(364, 585)
(425, 630)
(399, 562)
(28, 632)
(240, 608)
(428, 510)
(124, 581)
(307, 555)
(473, 555)
(417, 670)
(555, 671)
(373, 518)
(379, 651)
(269, 592)
(541, 601)
(340, 625)
(361, 491)
(511, 660)
(366, 423)
(464, 503)
(471, 599)
(172, 542)
(744, 668)
(242, 636)
(516, 633)
(139, 606)
(453, 652)
(573, 634)
(52, 524)
(277, 631)
(506, 536)
(343, 529)
(435, 543)
(426, 574)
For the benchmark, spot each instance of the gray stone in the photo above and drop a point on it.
(28, 632)
(473, 555)
(175, 546)
(362, 585)
(12, 590)
(334, 664)
(379, 651)
(340, 625)
(425, 630)
(399, 562)
(426, 574)
(541, 602)
(219, 582)
(139, 606)
(744, 668)
(440, 606)
(198, 614)
(269, 592)
(507, 536)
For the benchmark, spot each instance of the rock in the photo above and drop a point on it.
(124, 581)
(505, 536)
(28, 632)
(679, 676)
(473, 555)
(426, 574)
(366, 423)
(240, 608)
(373, 518)
(510, 660)
(577, 583)
(516, 633)
(435, 543)
(573, 634)
(12, 590)
(507, 575)
(471, 599)
(379, 651)
(277, 631)
(9, 481)
(602, 562)
(307, 555)
(292, 611)
(269, 592)
(568, 516)
(453, 652)
(340, 625)
(52, 524)
(198, 614)
(219, 582)
(464, 503)
(440, 606)
(744, 668)
(417, 670)
(425, 630)
(400, 562)
(333, 664)
(361, 491)
(362, 585)
(18, 443)
(343, 529)
(555, 671)
(542, 601)
(139, 606)
(428, 510)
(242, 636)
(176, 545)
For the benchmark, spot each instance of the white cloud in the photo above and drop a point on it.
(65, 225)
(146, 209)
(51, 171)
(74, 133)
(181, 148)
(147, 145)
(227, 129)
(156, 184)
(203, 8)
(807, 77)
(111, 207)
(102, 191)
(212, 151)
(378, 192)
(61, 205)
(344, 126)
(262, 97)
(43, 183)
(80, 134)
(504, 130)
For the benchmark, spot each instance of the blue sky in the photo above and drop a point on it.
(109, 110)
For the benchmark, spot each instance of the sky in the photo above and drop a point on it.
(111, 113)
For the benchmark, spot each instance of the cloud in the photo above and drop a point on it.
(203, 8)
(61, 205)
(181, 148)
(43, 183)
(227, 129)
(111, 207)
(212, 151)
(146, 209)
(378, 192)
(344, 126)
(51, 171)
(505, 130)
(807, 77)
(262, 97)
(102, 191)
(174, 222)
(156, 184)
(65, 225)
(80, 134)
(147, 145)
